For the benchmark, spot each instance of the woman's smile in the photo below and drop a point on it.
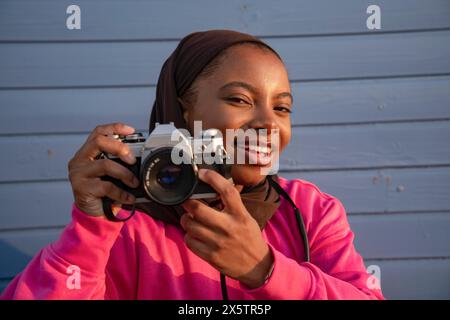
(254, 153)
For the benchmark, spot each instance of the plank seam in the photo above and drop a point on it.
(152, 85)
(263, 37)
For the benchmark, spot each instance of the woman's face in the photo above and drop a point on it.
(248, 90)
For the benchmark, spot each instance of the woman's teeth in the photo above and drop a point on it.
(259, 149)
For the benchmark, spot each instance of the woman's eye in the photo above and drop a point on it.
(238, 100)
(283, 109)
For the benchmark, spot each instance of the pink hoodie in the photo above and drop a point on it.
(146, 259)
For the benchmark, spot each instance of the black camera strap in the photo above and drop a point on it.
(107, 210)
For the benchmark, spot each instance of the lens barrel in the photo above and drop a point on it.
(165, 182)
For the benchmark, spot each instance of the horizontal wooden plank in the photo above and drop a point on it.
(359, 101)
(361, 192)
(414, 279)
(113, 20)
(324, 102)
(377, 236)
(139, 63)
(82, 64)
(44, 157)
(365, 146)
(402, 235)
(386, 190)
(73, 110)
(37, 204)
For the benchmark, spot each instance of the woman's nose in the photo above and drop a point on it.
(263, 118)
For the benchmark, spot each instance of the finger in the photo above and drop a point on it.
(106, 144)
(108, 189)
(106, 167)
(110, 129)
(200, 231)
(228, 193)
(205, 215)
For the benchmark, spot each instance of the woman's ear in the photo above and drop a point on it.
(185, 110)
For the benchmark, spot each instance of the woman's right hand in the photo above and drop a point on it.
(85, 171)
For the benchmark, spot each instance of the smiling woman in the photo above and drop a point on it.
(227, 80)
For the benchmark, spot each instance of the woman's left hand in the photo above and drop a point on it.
(230, 240)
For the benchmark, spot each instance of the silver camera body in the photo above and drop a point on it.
(167, 164)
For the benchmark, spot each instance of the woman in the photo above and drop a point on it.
(228, 80)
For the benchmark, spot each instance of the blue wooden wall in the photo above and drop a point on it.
(371, 123)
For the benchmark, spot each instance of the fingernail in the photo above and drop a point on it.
(130, 198)
(130, 158)
(201, 173)
(128, 128)
(135, 182)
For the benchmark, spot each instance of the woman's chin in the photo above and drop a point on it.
(246, 175)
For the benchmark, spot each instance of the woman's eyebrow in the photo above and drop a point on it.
(284, 95)
(253, 90)
(241, 84)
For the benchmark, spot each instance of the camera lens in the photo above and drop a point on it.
(165, 182)
(169, 175)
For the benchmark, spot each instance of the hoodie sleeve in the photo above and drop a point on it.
(336, 270)
(74, 266)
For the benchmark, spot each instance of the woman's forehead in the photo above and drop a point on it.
(252, 65)
(245, 53)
